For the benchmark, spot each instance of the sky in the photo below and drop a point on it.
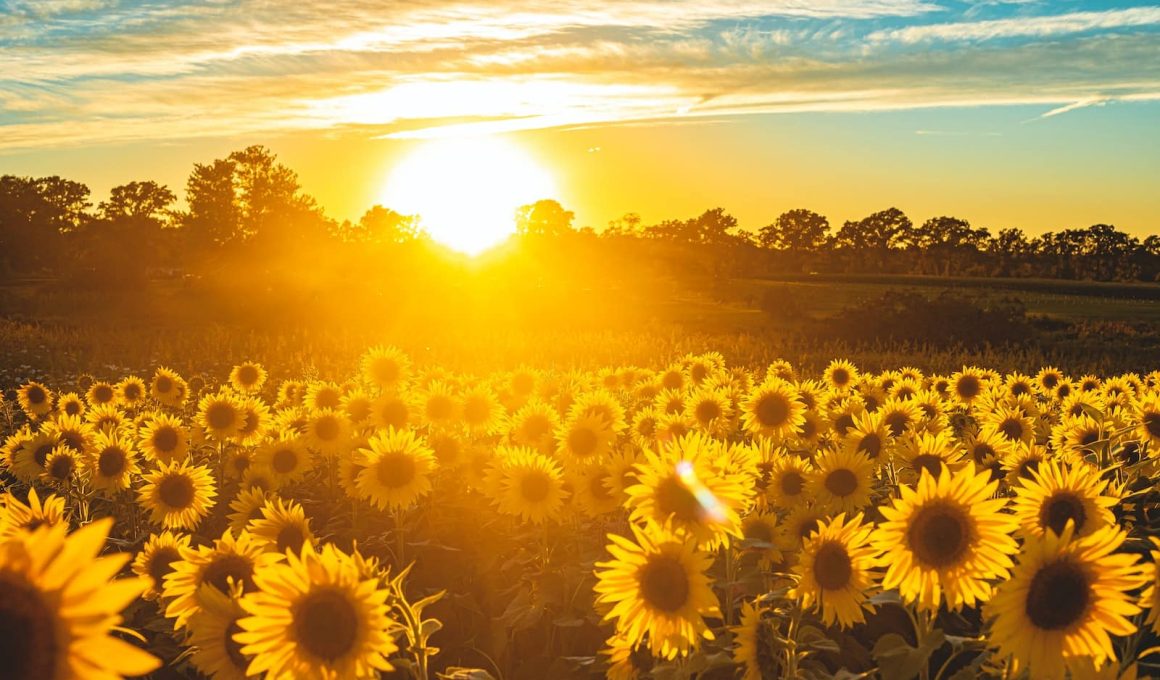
(1039, 115)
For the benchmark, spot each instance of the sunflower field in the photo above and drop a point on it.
(691, 520)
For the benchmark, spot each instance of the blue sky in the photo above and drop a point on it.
(1063, 86)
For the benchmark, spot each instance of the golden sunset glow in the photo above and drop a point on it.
(466, 189)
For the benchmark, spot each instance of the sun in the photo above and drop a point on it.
(466, 189)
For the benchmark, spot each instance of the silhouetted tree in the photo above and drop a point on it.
(381, 225)
(34, 213)
(543, 218)
(797, 230)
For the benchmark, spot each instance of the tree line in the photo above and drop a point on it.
(248, 207)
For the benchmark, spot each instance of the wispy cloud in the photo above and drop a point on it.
(1060, 110)
(84, 71)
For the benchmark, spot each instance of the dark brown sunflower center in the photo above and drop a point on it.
(1020, 388)
(982, 452)
(111, 462)
(1011, 429)
(1058, 596)
(1027, 467)
(808, 429)
(233, 647)
(1152, 423)
(968, 387)
(161, 563)
(165, 439)
(663, 583)
(929, 462)
(582, 441)
(758, 530)
(536, 426)
(395, 469)
(840, 377)
(326, 624)
(808, 526)
(897, 422)
(1059, 508)
(1050, 380)
(247, 375)
(672, 380)
(792, 483)
(699, 372)
(476, 411)
(176, 491)
(674, 498)
(40, 455)
(284, 461)
(28, 642)
(225, 567)
(871, 445)
(35, 394)
(841, 482)
(385, 370)
(72, 408)
(221, 416)
(1088, 437)
(843, 423)
(597, 488)
(163, 384)
(61, 468)
(327, 428)
(832, 566)
(707, 411)
(291, 537)
(73, 440)
(535, 486)
(132, 391)
(772, 410)
(394, 413)
(327, 398)
(646, 427)
(939, 535)
(102, 394)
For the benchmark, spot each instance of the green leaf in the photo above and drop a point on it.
(897, 660)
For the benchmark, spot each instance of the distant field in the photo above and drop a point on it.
(1064, 300)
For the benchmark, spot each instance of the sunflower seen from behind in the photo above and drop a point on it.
(946, 540)
(657, 592)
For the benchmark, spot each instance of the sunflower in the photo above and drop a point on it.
(156, 559)
(449, 448)
(320, 395)
(178, 495)
(59, 606)
(64, 468)
(385, 367)
(679, 490)
(392, 409)
(438, 405)
(599, 403)
(396, 469)
(837, 570)
(592, 490)
(1022, 461)
(710, 409)
(868, 436)
(1058, 493)
(35, 400)
(211, 635)
(990, 450)
(788, 477)
(759, 530)
(1147, 422)
(248, 377)
(772, 410)
(843, 410)
(220, 415)
(291, 394)
(840, 481)
(113, 462)
(481, 412)
(106, 418)
(585, 439)
(164, 439)
(621, 468)
(1064, 600)
(168, 388)
(315, 616)
(70, 431)
(70, 404)
(255, 420)
(1078, 434)
(131, 392)
(669, 401)
(946, 539)
(227, 561)
(29, 456)
(1047, 379)
(358, 407)
(528, 484)
(534, 424)
(841, 375)
(1010, 423)
(33, 514)
(626, 660)
(967, 385)
(283, 526)
(899, 416)
(930, 452)
(657, 588)
(101, 392)
(756, 649)
(246, 507)
(327, 431)
(288, 460)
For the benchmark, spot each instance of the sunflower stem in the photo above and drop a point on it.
(730, 577)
